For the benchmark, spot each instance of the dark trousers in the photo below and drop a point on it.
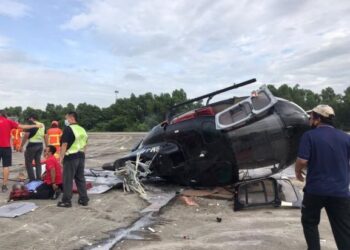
(338, 211)
(73, 169)
(44, 191)
(33, 152)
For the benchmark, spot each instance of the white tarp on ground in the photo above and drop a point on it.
(16, 209)
(102, 180)
(100, 189)
(110, 181)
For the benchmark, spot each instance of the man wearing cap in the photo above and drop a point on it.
(53, 137)
(325, 152)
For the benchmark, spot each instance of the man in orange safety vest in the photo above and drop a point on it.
(53, 137)
(16, 135)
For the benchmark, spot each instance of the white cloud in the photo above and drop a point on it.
(4, 41)
(13, 8)
(25, 84)
(200, 44)
(14, 56)
(70, 43)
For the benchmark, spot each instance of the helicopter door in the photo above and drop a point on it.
(240, 113)
(271, 191)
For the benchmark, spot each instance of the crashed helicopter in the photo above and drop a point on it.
(222, 143)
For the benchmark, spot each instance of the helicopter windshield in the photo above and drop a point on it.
(237, 114)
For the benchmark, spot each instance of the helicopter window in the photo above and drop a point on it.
(260, 101)
(236, 114)
(257, 104)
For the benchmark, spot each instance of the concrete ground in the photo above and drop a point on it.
(181, 227)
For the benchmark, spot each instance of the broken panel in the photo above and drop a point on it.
(266, 192)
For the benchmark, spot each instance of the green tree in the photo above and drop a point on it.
(328, 96)
(178, 96)
(284, 91)
(14, 111)
(273, 89)
(30, 111)
(88, 115)
(53, 112)
(141, 113)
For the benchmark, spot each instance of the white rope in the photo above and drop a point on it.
(130, 174)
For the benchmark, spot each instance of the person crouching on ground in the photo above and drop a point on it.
(52, 186)
(72, 155)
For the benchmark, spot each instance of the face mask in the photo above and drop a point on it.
(66, 122)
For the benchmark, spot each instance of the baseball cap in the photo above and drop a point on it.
(324, 110)
(54, 123)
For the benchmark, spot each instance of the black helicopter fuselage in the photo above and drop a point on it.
(219, 143)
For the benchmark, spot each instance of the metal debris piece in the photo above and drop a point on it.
(131, 172)
(147, 219)
(100, 189)
(157, 201)
(17, 209)
(188, 201)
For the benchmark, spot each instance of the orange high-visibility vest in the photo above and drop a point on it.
(54, 136)
(16, 135)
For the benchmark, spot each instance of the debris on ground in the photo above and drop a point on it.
(188, 201)
(149, 217)
(102, 180)
(17, 209)
(215, 193)
(131, 172)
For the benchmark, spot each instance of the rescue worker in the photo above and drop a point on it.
(72, 157)
(34, 149)
(325, 152)
(53, 137)
(16, 135)
(6, 125)
(52, 179)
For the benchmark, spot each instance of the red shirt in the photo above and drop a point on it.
(52, 163)
(6, 125)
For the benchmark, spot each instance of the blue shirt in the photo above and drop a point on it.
(327, 151)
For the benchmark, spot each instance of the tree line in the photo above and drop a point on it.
(141, 113)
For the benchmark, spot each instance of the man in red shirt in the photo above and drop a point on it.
(6, 125)
(52, 178)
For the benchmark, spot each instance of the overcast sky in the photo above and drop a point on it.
(60, 51)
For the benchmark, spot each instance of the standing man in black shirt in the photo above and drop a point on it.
(34, 149)
(72, 157)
